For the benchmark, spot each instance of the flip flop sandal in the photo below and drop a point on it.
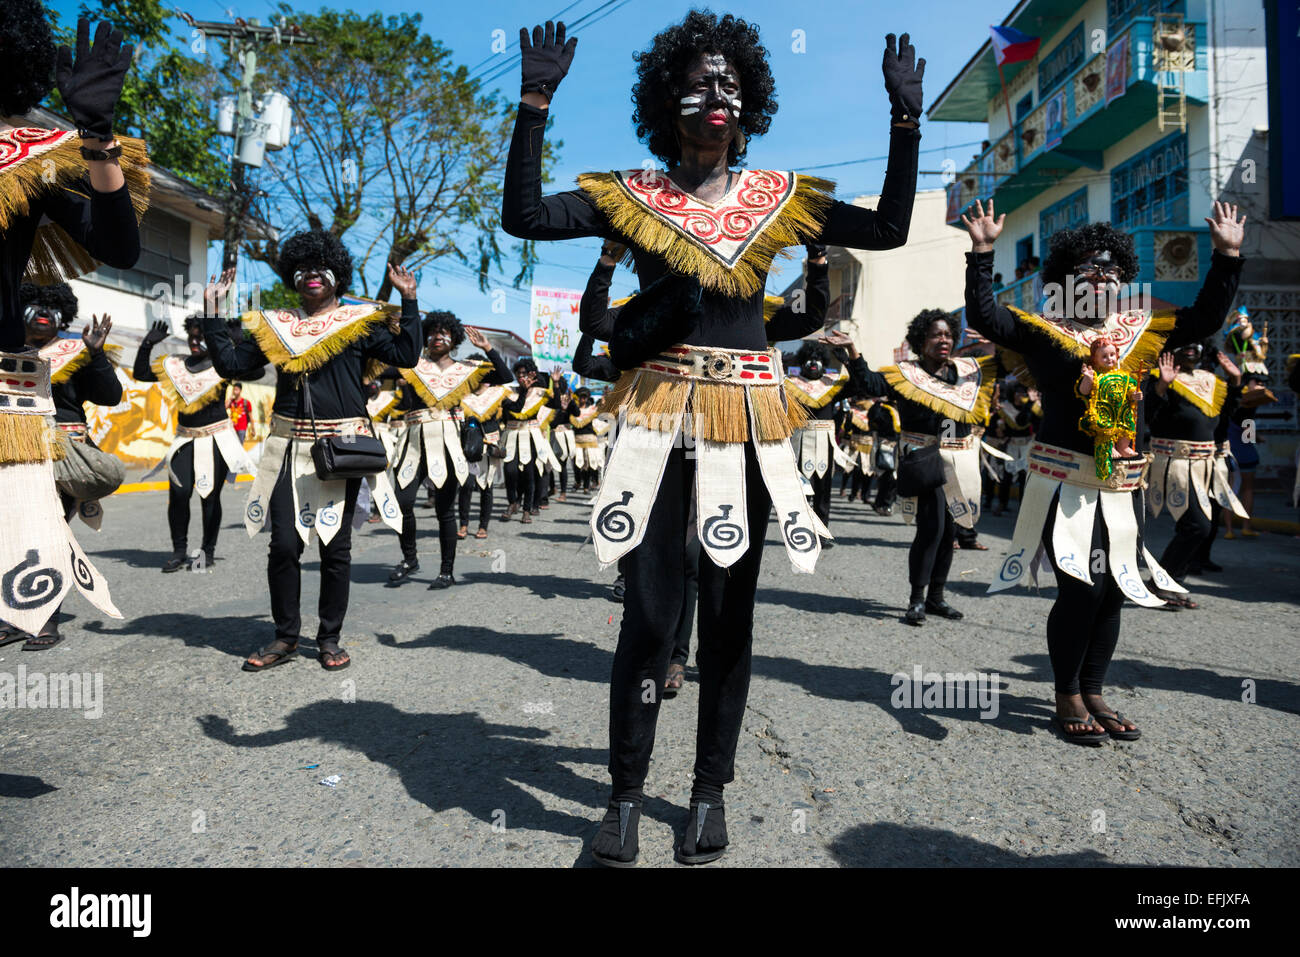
(462, 532)
(676, 678)
(1123, 734)
(42, 642)
(9, 635)
(1089, 739)
(279, 657)
(329, 651)
(481, 533)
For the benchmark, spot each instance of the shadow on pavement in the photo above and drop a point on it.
(896, 845)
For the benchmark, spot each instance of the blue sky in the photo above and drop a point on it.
(833, 105)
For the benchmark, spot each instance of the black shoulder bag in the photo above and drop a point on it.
(920, 471)
(342, 457)
(471, 440)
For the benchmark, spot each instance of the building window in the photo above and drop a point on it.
(164, 255)
(1024, 106)
(1120, 12)
(1024, 251)
(1064, 59)
(1151, 188)
(1067, 214)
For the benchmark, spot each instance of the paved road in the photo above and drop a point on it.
(471, 728)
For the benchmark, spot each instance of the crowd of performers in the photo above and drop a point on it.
(372, 409)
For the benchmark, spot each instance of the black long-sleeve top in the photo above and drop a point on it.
(513, 405)
(881, 422)
(1054, 369)
(409, 399)
(336, 390)
(591, 366)
(912, 416)
(787, 323)
(96, 382)
(858, 372)
(1170, 416)
(728, 322)
(104, 223)
(214, 411)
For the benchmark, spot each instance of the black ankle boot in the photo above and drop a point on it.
(617, 842)
(178, 561)
(937, 606)
(915, 612)
(706, 834)
(402, 571)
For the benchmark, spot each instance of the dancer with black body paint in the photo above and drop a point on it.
(206, 447)
(704, 89)
(1075, 521)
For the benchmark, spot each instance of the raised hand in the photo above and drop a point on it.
(545, 60)
(1085, 383)
(96, 333)
(1167, 370)
(157, 333)
(1227, 365)
(1226, 232)
(983, 227)
(92, 85)
(903, 74)
(403, 280)
(477, 339)
(214, 293)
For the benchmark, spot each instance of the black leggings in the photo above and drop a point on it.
(930, 557)
(654, 573)
(1083, 625)
(1004, 488)
(1191, 532)
(484, 503)
(821, 497)
(284, 566)
(444, 504)
(690, 593)
(179, 489)
(521, 483)
(886, 489)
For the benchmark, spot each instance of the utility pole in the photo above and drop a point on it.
(251, 132)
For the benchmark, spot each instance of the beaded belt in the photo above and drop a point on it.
(920, 439)
(514, 425)
(198, 431)
(819, 425)
(1075, 468)
(586, 441)
(1182, 449)
(428, 415)
(74, 430)
(736, 366)
(302, 428)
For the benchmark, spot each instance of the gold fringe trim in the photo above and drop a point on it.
(979, 415)
(319, 354)
(529, 412)
(373, 370)
(616, 396)
(71, 367)
(798, 395)
(25, 439)
(1144, 352)
(386, 412)
(488, 414)
(55, 255)
(771, 306)
(1211, 408)
(452, 398)
(169, 390)
(716, 410)
(619, 303)
(799, 220)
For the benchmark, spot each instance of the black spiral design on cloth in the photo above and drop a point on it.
(27, 585)
(1012, 568)
(81, 572)
(614, 523)
(799, 538)
(255, 512)
(720, 533)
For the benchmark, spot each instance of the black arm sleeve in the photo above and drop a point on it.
(102, 386)
(141, 371)
(885, 227)
(792, 323)
(995, 323)
(500, 373)
(525, 213)
(401, 350)
(232, 360)
(858, 375)
(104, 223)
(595, 318)
(1205, 316)
(869, 383)
(593, 367)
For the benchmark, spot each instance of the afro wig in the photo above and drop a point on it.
(57, 296)
(660, 70)
(920, 325)
(439, 319)
(1069, 247)
(26, 56)
(813, 351)
(311, 249)
(524, 364)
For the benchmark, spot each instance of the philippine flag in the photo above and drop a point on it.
(1012, 46)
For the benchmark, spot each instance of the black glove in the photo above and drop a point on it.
(546, 59)
(157, 333)
(903, 73)
(92, 85)
(814, 250)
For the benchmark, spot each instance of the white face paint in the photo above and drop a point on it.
(734, 103)
(326, 274)
(690, 104)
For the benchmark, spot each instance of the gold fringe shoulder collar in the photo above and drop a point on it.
(818, 394)
(445, 388)
(295, 342)
(189, 391)
(1203, 389)
(484, 405)
(967, 400)
(1139, 335)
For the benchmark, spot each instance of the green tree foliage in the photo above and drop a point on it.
(168, 95)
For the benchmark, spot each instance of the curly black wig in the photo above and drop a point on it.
(313, 248)
(56, 296)
(524, 364)
(441, 319)
(812, 350)
(920, 325)
(659, 73)
(1069, 246)
(26, 56)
